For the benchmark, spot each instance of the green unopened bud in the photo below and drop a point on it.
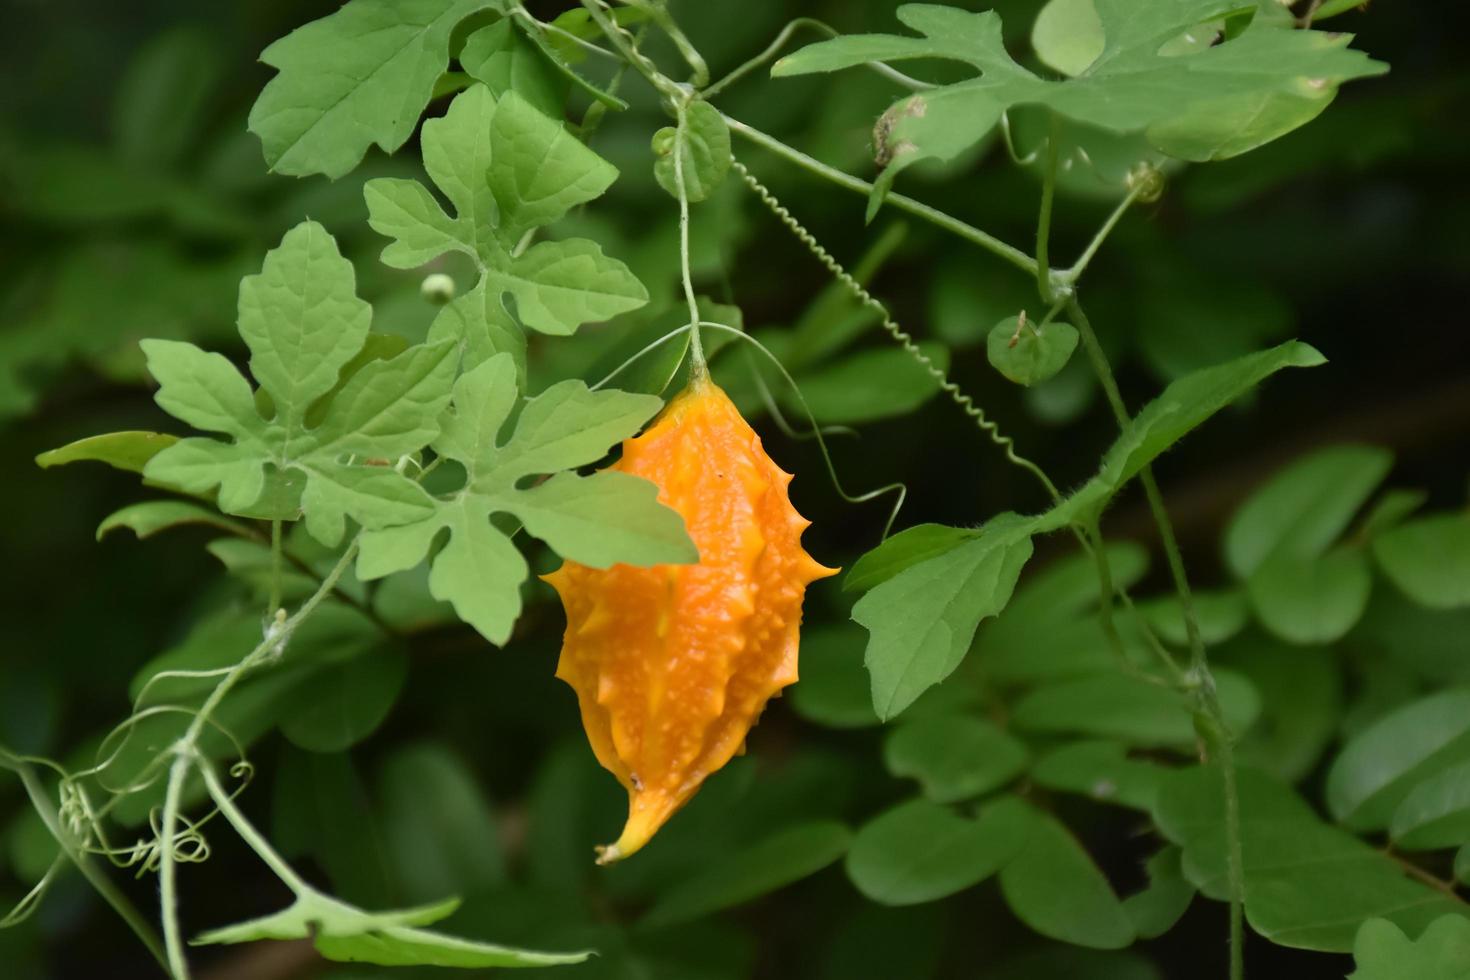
(437, 288)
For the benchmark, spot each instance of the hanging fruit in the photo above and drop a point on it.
(673, 664)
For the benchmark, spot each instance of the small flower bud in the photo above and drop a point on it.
(437, 288)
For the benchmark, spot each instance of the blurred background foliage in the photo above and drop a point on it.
(133, 200)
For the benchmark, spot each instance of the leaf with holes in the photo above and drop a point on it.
(597, 520)
(506, 169)
(304, 324)
(1191, 100)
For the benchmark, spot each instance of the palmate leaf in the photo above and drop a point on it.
(597, 520)
(1192, 101)
(359, 76)
(506, 169)
(347, 934)
(303, 323)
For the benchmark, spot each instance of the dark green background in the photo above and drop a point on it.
(1353, 233)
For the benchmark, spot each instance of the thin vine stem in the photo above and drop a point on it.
(772, 49)
(897, 333)
(520, 10)
(1043, 218)
(275, 589)
(933, 215)
(1202, 680)
(1140, 186)
(659, 14)
(224, 801)
(186, 756)
(627, 47)
(698, 367)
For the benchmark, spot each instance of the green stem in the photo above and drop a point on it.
(934, 216)
(698, 367)
(252, 837)
(1070, 276)
(125, 909)
(659, 14)
(275, 593)
(1091, 539)
(1203, 682)
(520, 10)
(623, 42)
(780, 42)
(186, 751)
(1043, 219)
(901, 336)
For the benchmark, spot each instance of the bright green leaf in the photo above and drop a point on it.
(359, 76)
(539, 171)
(347, 934)
(598, 520)
(506, 61)
(1068, 35)
(150, 517)
(507, 169)
(558, 286)
(304, 324)
(908, 547)
(1179, 409)
(127, 451)
(1133, 81)
(923, 620)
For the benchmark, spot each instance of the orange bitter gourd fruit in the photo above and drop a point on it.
(673, 664)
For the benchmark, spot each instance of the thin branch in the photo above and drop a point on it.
(775, 46)
(934, 216)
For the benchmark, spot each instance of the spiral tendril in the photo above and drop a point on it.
(902, 337)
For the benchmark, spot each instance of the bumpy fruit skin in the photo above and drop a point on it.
(673, 664)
